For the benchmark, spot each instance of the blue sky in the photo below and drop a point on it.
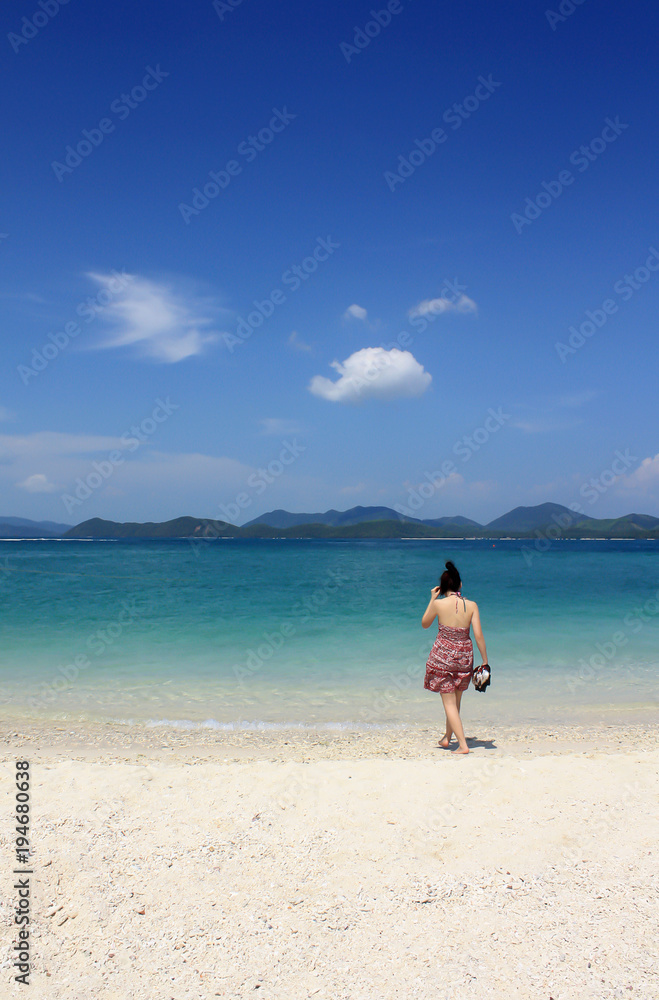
(398, 210)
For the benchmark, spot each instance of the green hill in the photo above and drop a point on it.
(546, 520)
(179, 527)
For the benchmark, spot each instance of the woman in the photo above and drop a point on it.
(451, 661)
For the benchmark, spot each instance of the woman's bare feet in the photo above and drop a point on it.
(444, 742)
(461, 750)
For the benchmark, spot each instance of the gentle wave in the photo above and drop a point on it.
(258, 725)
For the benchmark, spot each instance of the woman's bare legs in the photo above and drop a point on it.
(451, 703)
(446, 738)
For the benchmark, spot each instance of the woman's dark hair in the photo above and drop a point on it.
(450, 579)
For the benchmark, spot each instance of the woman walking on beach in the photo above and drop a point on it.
(451, 661)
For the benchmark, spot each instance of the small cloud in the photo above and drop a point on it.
(349, 490)
(38, 483)
(355, 312)
(435, 307)
(373, 373)
(277, 425)
(299, 345)
(164, 324)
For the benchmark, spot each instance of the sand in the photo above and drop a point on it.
(298, 864)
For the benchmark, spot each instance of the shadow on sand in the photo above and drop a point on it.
(471, 743)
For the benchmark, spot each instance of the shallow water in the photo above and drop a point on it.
(250, 633)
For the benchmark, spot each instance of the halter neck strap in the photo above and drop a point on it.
(458, 595)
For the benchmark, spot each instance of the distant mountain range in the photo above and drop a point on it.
(356, 515)
(21, 527)
(551, 519)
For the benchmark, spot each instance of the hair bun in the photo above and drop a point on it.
(450, 579)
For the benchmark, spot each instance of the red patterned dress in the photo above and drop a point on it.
(451, 661)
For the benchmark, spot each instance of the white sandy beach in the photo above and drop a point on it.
(294, 864)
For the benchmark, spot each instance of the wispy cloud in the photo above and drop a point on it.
(355, 312)
(452, 481)
(544, 425)
(576, 399)
(295, 342)
(162, 323)
(548, 413)
(49, 461)
(373, 373)
(278, 425)
(351, 490)
(435, 307)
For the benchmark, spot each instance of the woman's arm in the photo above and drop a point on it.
(478, 633)
(430, 613)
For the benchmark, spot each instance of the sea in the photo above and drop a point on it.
(235, 634)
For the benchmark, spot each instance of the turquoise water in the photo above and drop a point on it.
(248, 633)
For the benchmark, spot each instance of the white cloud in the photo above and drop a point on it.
(278, 425)
(149, 485)
(435, 307)
(38, 483)
(644, 477)
(163, 324)
(373, 373)
(299, 345)
(50, 443)
(355, 312)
